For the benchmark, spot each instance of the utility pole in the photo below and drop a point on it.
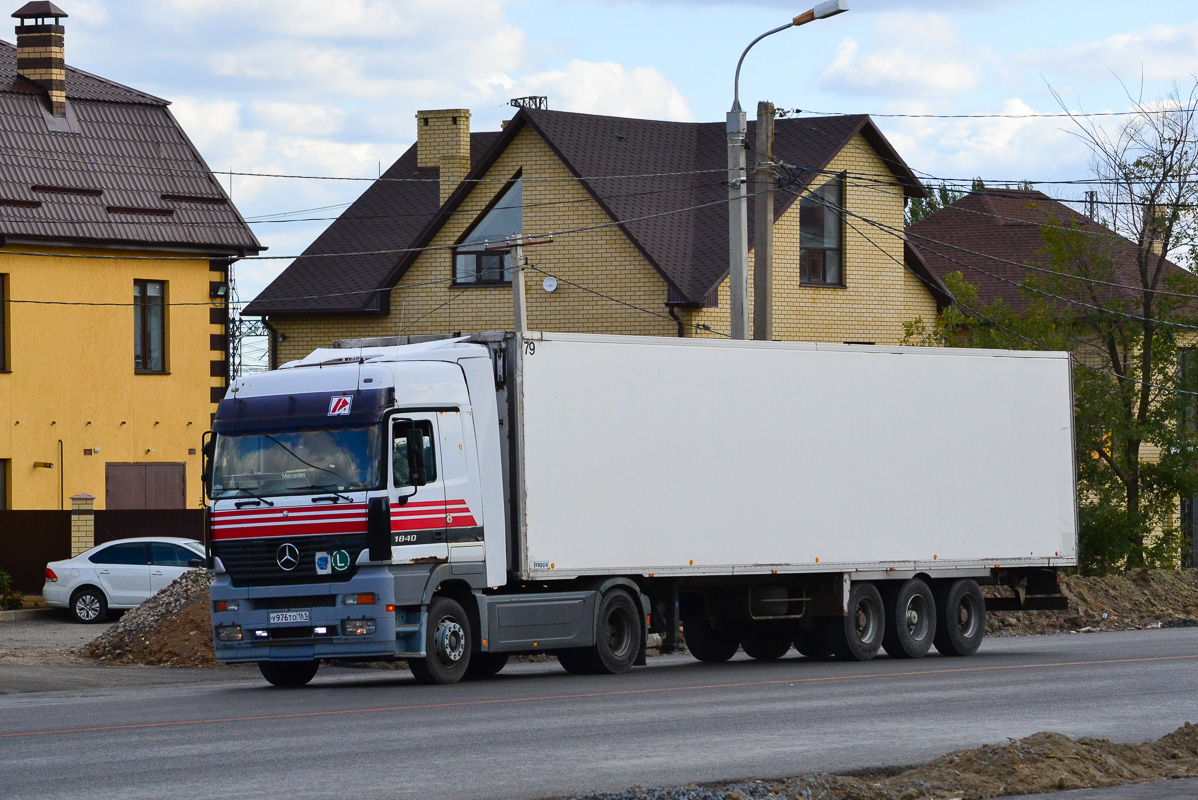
(519, 313)
(763, 225)
(738, 224)
(738, 212)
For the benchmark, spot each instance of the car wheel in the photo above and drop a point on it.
(447, 644)
(858, 635)
(910, 620)
(961, 618)
(288, 674)
(485, 665)
(88, 605)
(705, 642)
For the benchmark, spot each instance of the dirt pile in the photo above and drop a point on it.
(1134, 601)
(1043, 762)
(171, 629)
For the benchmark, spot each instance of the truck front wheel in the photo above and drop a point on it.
(961, 618)
(288, 674)
(446, 644)
(858, 635)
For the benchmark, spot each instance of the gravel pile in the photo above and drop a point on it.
(171, 629)
(1042, 762)
(1137, 600)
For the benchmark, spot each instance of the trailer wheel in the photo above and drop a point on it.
(288, 674)
(766, 642)
(705, 642)
(910, 620)
(857, 636)
(813, 642)
(485, 665)
(961, 618)
(446, 646)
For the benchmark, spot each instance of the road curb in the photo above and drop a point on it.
(24, 614)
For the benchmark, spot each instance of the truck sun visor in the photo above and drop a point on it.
(302, 411)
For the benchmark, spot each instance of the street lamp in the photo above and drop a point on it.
(738, 209)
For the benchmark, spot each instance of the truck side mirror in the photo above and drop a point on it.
(416, 473)
(378, 528)
(208, 449)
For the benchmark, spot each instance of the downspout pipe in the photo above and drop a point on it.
(681, 326)
(61, 483)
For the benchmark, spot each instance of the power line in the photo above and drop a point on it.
(1187, 110)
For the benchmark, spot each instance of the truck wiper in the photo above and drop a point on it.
(256, 497)
(336, 496)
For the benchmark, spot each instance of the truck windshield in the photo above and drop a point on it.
(297, 462)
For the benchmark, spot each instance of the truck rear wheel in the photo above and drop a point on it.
(485, 665)
(705, 642)
(618, 635)
(961, 618)
(446, 644)
(910, 620)
(858, 635)
(813, 642)
(288, 674)
(766, 642)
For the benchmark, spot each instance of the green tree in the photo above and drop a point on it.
(1132, 325)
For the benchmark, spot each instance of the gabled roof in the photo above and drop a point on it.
(689, 249)
(989, 235)
(118, 169)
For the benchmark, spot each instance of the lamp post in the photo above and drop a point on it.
(738, 209)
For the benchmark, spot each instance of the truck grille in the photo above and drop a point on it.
(254, 562)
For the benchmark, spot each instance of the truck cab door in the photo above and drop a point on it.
(463, 494)
(418, 529)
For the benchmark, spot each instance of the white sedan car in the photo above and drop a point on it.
(118, 574)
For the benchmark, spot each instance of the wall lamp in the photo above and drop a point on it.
(218, 289)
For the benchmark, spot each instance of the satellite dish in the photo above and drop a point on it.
(549, 284)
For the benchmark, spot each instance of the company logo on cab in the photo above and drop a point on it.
(339, 406)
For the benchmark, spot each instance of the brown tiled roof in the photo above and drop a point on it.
(118, 169)
(988, 236)
(689, 249)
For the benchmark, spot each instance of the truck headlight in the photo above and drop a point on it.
(358, 627)
(228, 633)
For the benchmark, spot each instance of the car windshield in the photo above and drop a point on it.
(296, 462)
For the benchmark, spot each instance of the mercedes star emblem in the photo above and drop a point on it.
(288, 557)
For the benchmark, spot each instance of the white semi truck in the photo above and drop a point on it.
(453, 501)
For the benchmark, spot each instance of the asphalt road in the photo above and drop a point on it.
(536, 732)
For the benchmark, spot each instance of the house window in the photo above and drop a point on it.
(821, 235)
(473, 264)
(5, 472)
(149, 326)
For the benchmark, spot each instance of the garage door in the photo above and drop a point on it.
(145, 485)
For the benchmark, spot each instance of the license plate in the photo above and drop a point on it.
(277, 617)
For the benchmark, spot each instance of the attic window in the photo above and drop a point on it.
(86, 191)
(474, 263)
(195, 198)
(145, 212)
(821, 235)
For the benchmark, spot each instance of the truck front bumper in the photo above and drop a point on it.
(306, 622)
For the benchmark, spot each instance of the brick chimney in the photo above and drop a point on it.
(443, 141)
(40, 51)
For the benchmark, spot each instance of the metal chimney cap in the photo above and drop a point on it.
(39, 9)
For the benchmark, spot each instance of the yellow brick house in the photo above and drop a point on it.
(638, 218)
(115, 241)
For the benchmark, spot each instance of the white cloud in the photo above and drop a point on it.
(605, 88)
(311, 119)
(914, 54)
(1160, 52)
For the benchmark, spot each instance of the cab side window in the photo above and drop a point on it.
(399, 454)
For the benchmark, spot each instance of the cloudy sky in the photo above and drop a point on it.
(331, 87)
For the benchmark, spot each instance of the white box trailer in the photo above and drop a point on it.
(695, 457)
(451, 501)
